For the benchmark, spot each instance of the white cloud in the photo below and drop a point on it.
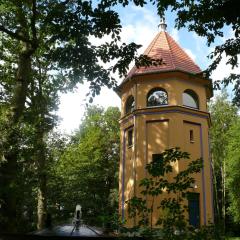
(147, 16)
(139, 33)
(190, 54)
(223, 70)
(175, 34)
(73, 105)
(71, 108)
(99, 41)
(199, 42)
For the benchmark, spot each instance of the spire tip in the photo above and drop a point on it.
(162, 25)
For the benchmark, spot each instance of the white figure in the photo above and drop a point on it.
(77, 217)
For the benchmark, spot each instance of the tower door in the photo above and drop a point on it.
(193, 208)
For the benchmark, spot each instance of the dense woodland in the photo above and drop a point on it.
(45, 51)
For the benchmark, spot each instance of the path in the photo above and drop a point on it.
(66, 230)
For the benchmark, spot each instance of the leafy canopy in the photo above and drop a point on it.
(89, 165)
(232, 170)
(223, 116)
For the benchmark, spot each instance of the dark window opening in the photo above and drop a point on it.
(157, 159)
(130, 105)
(130, 138)
(191, 136)
(157, 97)
(194, 209)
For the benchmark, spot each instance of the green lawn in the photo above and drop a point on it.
(233, 238)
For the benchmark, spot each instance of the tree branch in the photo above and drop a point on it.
(33, 20)
(14, 35)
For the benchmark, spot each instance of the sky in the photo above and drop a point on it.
(140, 25)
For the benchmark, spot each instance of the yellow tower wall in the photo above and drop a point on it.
(158, 128)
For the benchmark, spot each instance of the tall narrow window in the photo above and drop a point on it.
(191, 136)
(157, 97)
(130, 137)
(130, 105)
(190, 99)
(157, 159)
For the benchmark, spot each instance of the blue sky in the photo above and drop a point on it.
(140, 25)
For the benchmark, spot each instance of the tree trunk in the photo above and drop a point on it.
(223, 195)
(20, 89)
(8, 170)
(215, 187)
(42, 172)
(42, 203)
(41, 157)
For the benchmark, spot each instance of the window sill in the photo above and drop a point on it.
(195, 108)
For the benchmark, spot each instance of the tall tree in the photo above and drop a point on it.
(56, 32)
(223, 115)
(232, 170)
(38, 120)
(88, 168)
(39, 115)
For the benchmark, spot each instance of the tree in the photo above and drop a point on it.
(40, 117)
(167, 195)
(55, 33)
(88, 167)
(232, 170)
(223, 115)
(37, 121)
(207, 19)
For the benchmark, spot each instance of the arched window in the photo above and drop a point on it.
(130, 104)
(157, 97)
(190, 99)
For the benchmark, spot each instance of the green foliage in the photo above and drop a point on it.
(232, 170)
(223, 116)
(172, 192)
(87, 170)
(172, 223)
(45, 48)
(44, 25)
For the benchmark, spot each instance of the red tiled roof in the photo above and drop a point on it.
(164, 47)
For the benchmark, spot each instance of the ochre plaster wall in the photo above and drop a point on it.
(173, 84)
(158, 128)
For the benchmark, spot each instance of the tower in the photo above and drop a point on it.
(165, 106)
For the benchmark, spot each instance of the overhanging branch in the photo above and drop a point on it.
(33, 20)
(14, 35)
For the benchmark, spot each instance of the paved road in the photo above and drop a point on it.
(67, 230)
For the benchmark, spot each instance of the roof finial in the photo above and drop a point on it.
(162, 25)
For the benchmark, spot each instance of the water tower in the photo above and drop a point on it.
(162, 107)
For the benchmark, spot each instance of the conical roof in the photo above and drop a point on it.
(174, 57)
